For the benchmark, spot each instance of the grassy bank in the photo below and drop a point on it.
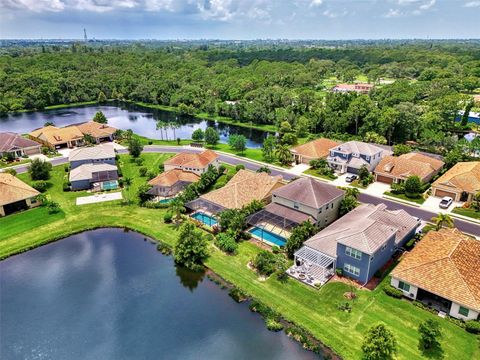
(315, 310)
(315, 173)
(467, 212)
(63, 106)
(418, 200)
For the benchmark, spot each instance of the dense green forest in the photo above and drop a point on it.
(419, 88)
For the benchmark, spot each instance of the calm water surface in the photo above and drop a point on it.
(141, 120)
(108, 294)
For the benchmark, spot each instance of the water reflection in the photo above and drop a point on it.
(188, 278)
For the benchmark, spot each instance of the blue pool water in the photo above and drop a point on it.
(110, 185)
(166, 201)
(268, 236)
(204, 218)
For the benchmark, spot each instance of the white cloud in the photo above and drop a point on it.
(472, 4)
(33, 5)
(392, 13)
(314, 3)
(427, 5)
(332, 15)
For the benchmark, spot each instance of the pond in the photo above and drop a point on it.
(109, 294)
(142, 121)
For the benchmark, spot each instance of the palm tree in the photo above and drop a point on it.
(160, 126)
(442, 220)
(177, 207)
(351, 191)
(283, 154)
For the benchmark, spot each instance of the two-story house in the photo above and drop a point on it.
(198, 163)
(359, 243)
(104, 153)
(351, 156)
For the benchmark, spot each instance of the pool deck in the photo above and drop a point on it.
(97, 198)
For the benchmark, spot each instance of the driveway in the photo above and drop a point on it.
(299, 169)
(432, 204)
(376, 189)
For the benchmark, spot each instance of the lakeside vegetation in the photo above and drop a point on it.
(315, 310)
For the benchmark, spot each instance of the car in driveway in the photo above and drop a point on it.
(350, 178)
(446, 202)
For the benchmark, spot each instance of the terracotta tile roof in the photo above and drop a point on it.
(243, 188)
(309, 192)
(103, 151)
(464, 176)
(10, 141)
(171, 177)
(95, 129)
(409, 164)
(13, 189)
(445, 263)
(54, 135)
(193, 160)
(365, 228)
(316, 149)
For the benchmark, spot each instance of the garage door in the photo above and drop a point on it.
(384, 179)
(442, 193)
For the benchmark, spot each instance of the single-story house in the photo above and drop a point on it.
(312, 150)
(18, 146)
(104, 153)
(460, 183)
(15, 195)
(304, 199)
(171, 182)
(360, 243)
(244, 187)
(98, 175)
(442, 270)
(99, 132)
(197, 163)
(351, 156)
(361, 88)
(56, 138)
(396, 169)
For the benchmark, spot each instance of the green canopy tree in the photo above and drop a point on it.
(191, 249)
(39, 169)
(135, 147)
(283, 154)
(430, 333)
(198, 135)
(100, 118)
(442, 220)
(211, 136)
(379, 344)
(237, 142)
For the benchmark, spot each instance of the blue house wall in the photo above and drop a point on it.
(81, 185)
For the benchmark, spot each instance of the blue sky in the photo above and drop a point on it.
(240, 19)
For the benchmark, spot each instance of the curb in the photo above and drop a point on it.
(405, 202)
(464, 218)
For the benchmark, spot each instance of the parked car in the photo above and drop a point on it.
(446, 202)
(350, 178)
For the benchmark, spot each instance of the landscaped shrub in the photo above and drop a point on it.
(66, 186)
(473, 326)
(40, 186)
(339, 271)
(67, 168)
(239, 167)
(344, 306)
(237, 295)
(275, 249)
(164, 248)
(273, 324)
(151, 174)
(11, 171)
(139, 161)
(302, 337)
(53, 207)
(167, 218)
(226, 243)
(265, 262)
(393, 292)
(221, 169)
(143, 171)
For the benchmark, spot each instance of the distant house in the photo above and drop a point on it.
(442, 270)
(473, 117)
(56, 138)
(99, 132)
(18, 146)
(352, 155)
(396, 169)
(460, 183)
(104, 153)
(98, 176)
(197, 163)
(15, 195)
(361, 88)
(312, 150)
(171, 182)
(360, 243)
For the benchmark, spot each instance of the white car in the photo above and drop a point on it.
(446, 202)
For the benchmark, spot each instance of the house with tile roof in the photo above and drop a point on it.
(104, 153)
(361, 88)
(312, 150)
(15, 195)
(351, 156)
(17, 146)
(359, 243)
(197, 163)
(169, 183)
(56, 138)
(99, 132)
(397, 169)
(442, 271)
(461, 182)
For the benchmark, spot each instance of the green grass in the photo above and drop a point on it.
(357, 184)
(467, 212)
(62, 106)
(315, 173)
(418, 200)
(4, 164)
(312, 309)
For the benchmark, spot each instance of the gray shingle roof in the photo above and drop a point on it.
(358, 147)
(86, 171)
(103, 151)
(11, 141)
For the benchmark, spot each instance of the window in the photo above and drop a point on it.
(351, 269)
(296, 205)
(33, 201)
(463, 311)
(353, 253)
(404, 286)
(367, 158)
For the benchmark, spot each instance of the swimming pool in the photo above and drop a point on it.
(204, 218)
(268, 236)
(166, 201)
(110, 185)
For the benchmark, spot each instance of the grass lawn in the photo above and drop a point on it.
(315, 310)
(62, 106)
(418, 200)
(357, 184)
(467, 212)
(315, 173)
(4, 164)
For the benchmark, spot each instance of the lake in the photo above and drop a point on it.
(142, 121)
(109, 294)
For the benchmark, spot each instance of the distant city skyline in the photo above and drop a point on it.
(245, 19)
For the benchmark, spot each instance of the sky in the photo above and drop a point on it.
(240, 19)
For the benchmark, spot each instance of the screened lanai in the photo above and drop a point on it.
(204, 205)
(312, 267)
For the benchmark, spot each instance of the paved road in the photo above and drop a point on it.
(464, 226)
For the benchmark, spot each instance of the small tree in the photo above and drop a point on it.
(53, 207)
(232, 220)
(100, 118)
(401, 149)
(268, 148)
(142, 193)
(237, 142)
(177, 207)
(442, 220)
(191, 249)
(135, 147)
(39, 170)
(226, 242)
(48, 123)
(101, 97)
(264, 169)
(348, 203)
(379, 344)
(298, 236)
(363, 172)
(211, 136)
(198, 135)
(430, 333)
(413, 186)
(89, 139)
(283, 154)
